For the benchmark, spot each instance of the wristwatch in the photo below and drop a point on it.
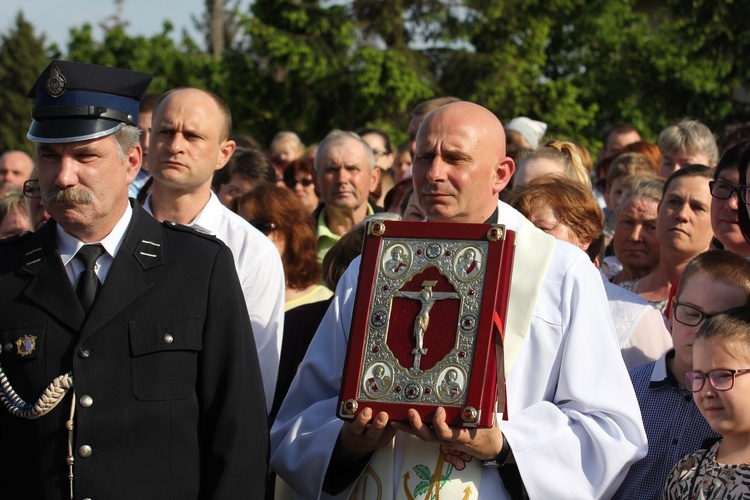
(501, 458)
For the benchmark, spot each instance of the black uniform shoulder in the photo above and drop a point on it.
(181, 228)
(10, 240)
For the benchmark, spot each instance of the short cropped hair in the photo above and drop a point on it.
(620, 129)
(338, 137)
(628, 164)
(689, 136)
(689, 171)
(721, 265)
(126, 138)
(731, 326)
(224, 111)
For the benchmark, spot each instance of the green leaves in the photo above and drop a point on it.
(310, 66)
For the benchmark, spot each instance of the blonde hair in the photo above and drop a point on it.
(289, 138)
(689, 136)
(566, 154)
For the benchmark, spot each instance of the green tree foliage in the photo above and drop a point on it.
(218, 42)
(22, 58)
(314, 65)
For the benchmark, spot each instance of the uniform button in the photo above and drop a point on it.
(85, 451)
(86, 401)
(167, 338)
(8, 347)
(84, 353)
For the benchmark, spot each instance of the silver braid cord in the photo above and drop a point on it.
(51, 396)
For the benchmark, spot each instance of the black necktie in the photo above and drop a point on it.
(88, 282)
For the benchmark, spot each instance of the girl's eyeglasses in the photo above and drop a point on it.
(721, 379)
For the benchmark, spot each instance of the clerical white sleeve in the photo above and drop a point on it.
(574, 423)
(306, 428)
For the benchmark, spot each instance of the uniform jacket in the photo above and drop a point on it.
(176, 399)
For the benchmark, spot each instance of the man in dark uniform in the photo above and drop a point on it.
(127, 370)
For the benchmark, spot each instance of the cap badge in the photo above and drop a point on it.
(26, 345)
(56, 82)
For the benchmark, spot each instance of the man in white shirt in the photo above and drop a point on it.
(146, 318)
(189, 141)
(573, 425)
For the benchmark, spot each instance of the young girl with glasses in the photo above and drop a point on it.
(721, 359)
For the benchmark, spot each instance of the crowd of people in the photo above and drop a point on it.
(223, 284)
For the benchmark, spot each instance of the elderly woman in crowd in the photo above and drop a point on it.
(683, 230)
(277, 213)
(725, 201)
(634, 241)
(568, 211)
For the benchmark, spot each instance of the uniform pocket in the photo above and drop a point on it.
(164, 358)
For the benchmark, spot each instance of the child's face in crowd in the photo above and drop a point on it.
(709, 295)
(727, 412)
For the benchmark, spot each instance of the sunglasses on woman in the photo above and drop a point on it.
(305, 181)
(263, 226)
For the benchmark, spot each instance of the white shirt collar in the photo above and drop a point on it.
(68, 245)
(206, 220)
(659, 373)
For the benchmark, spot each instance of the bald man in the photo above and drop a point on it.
(189, 142)
(568, 434)
(15, 168)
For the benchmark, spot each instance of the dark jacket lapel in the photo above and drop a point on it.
(127, 279)
(50, 287)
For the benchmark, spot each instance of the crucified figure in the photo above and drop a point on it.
(428, 299)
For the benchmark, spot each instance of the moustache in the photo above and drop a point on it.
(67, 195)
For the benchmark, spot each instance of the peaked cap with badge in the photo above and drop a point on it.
(76, 101)
(154, 389)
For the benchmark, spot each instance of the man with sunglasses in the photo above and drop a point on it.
(712, 282)
(189, 142)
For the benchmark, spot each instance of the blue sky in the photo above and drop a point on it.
(54, 18)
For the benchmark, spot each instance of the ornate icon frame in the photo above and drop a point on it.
(441, 290)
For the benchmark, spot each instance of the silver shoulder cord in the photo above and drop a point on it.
(50, 397)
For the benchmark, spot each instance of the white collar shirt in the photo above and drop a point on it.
(68, 245)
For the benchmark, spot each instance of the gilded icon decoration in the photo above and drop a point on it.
(378, 380)
(397, 260)
(468, 264)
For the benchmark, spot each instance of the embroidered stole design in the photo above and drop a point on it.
(431, 471)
